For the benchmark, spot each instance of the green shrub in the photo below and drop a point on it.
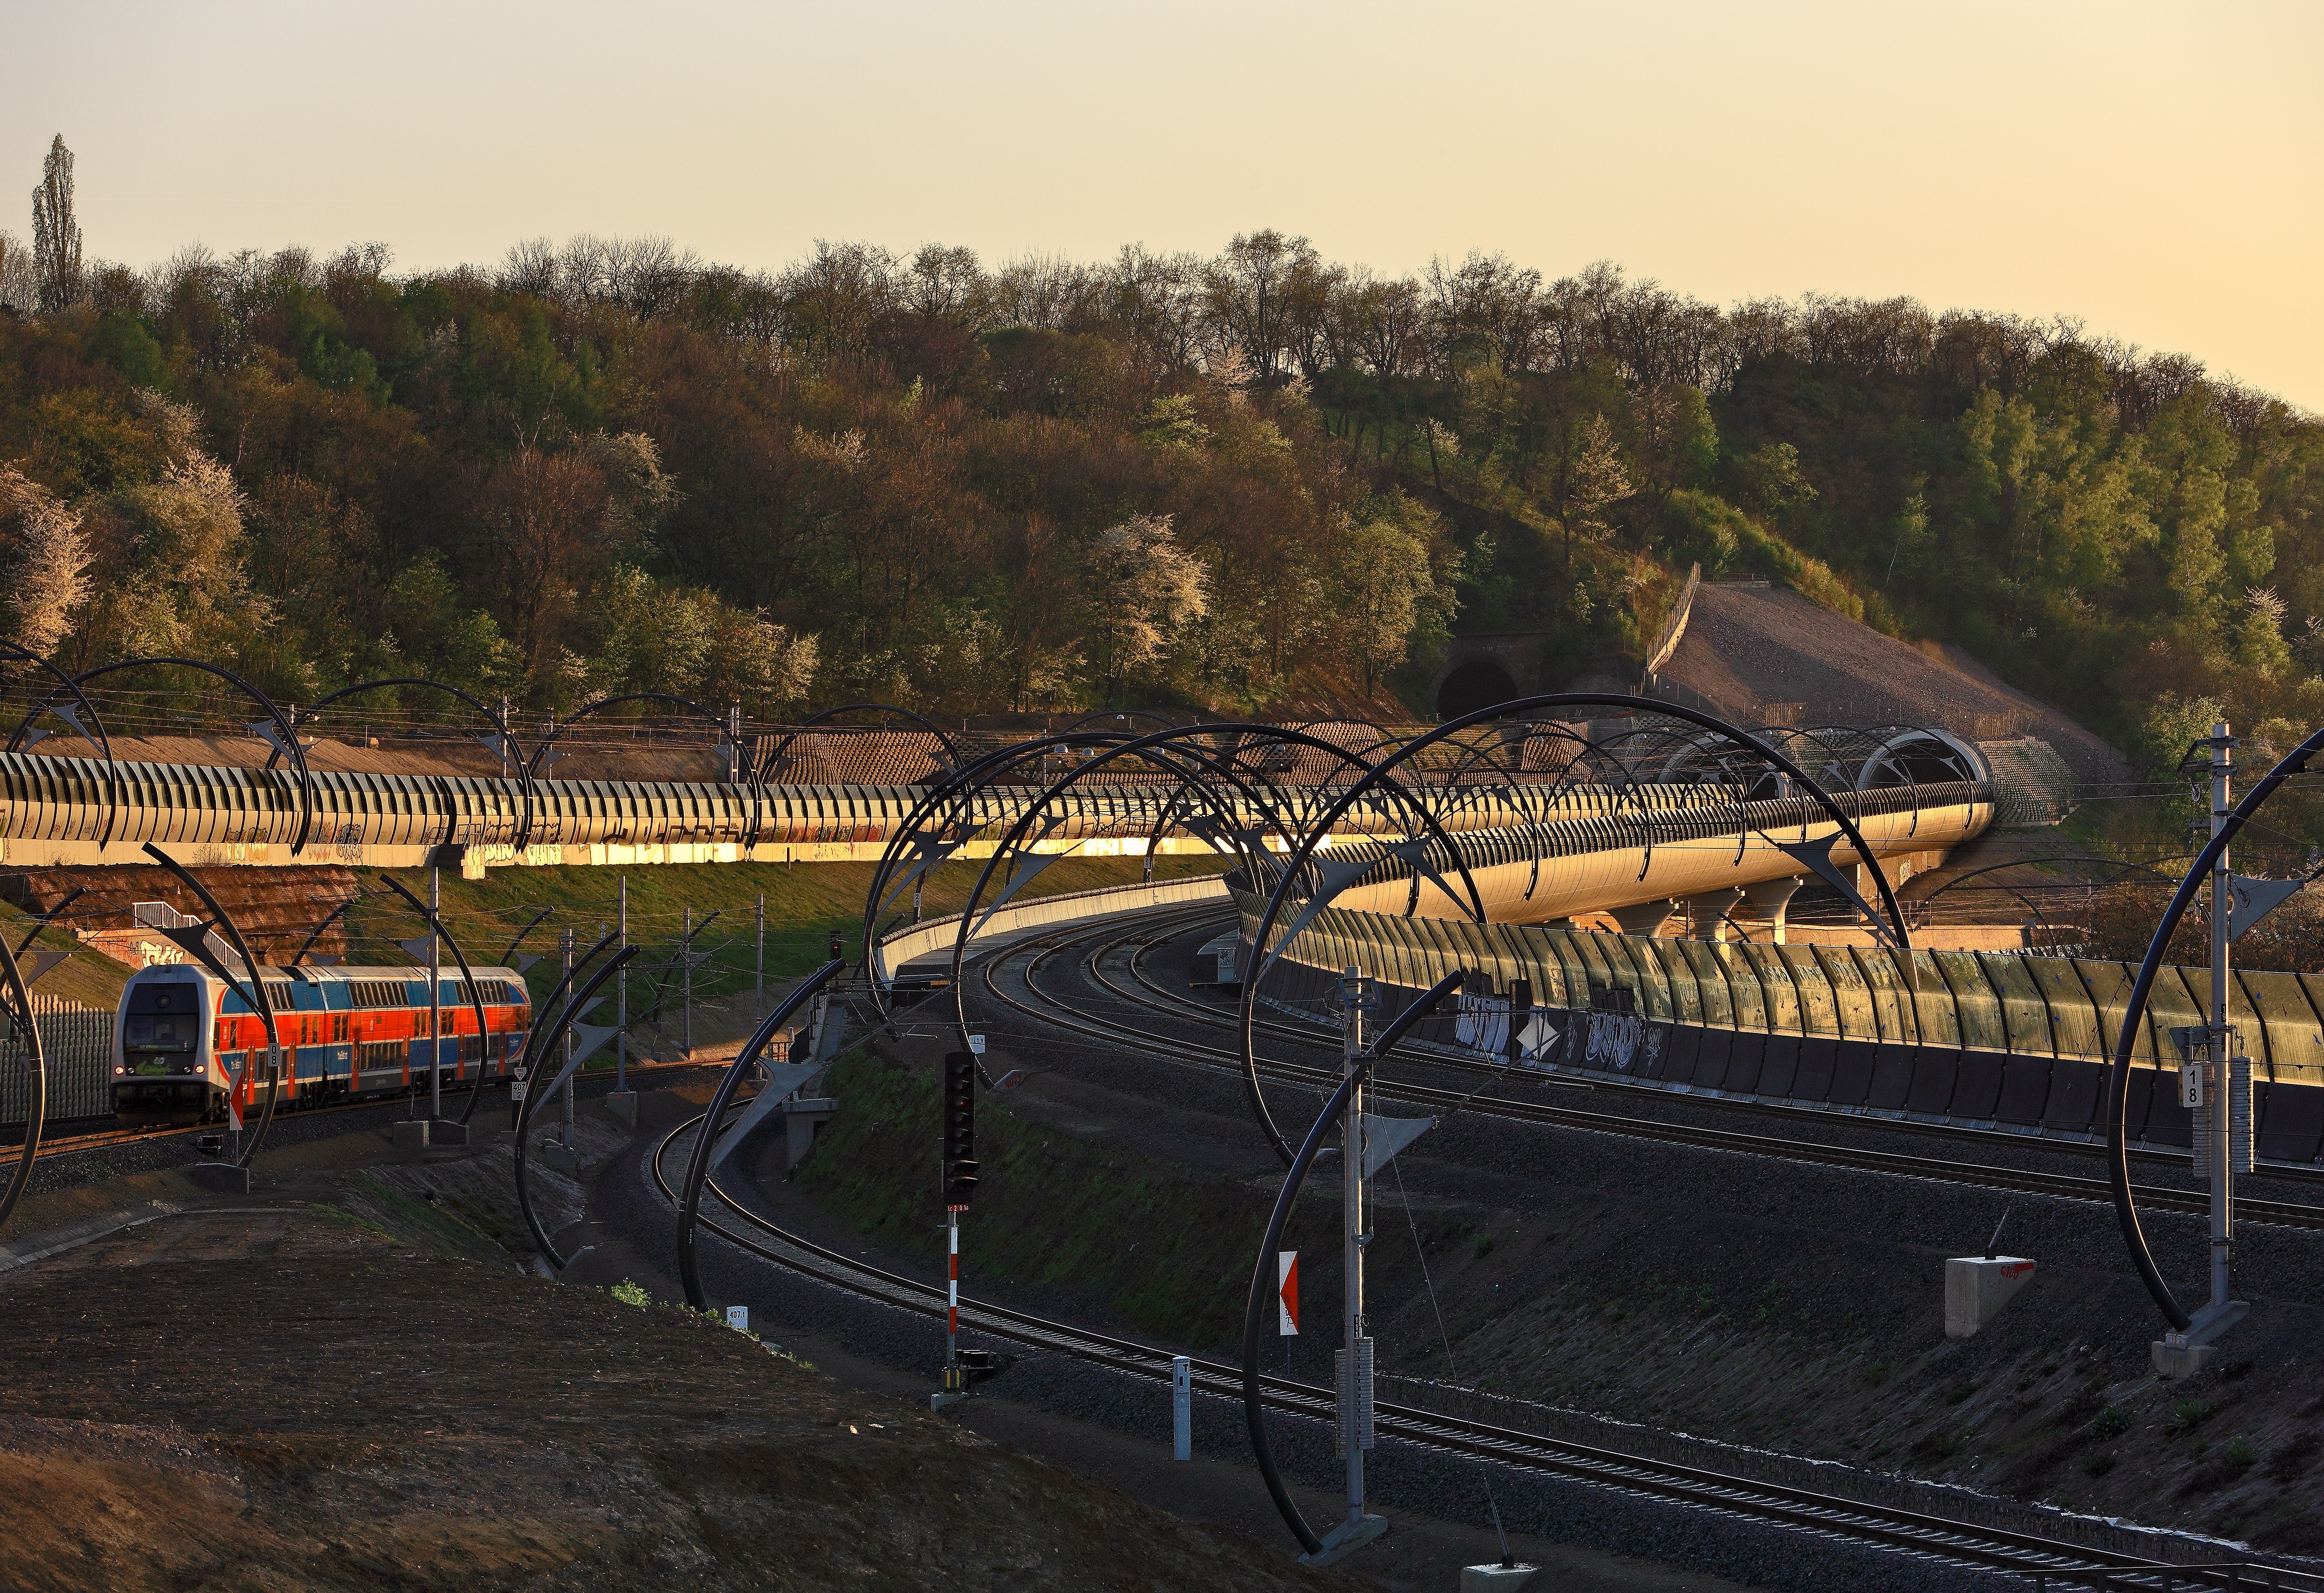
(2112, 1423)
(629, 1293)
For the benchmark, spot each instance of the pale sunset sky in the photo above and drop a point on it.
(2156, 171)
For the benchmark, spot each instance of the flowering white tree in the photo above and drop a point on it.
(1140, 590)
(48, 582)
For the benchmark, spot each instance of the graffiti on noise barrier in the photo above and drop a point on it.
(1622, 1043)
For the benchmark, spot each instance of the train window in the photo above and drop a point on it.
(339, 1029)
(175, 995)
(161, 1031)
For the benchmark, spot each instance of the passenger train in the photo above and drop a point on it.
(182, 1036)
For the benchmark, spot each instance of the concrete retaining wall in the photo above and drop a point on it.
(936, 937)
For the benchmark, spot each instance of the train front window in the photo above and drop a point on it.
(161, 1031)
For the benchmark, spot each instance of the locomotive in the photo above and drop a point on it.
(183, 1037)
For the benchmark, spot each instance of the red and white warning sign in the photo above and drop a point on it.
(1286, 1294)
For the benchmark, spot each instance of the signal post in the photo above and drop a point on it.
(958, 1171)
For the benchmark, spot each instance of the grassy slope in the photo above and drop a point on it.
(1169, 1249)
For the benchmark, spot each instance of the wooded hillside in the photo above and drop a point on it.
(1228, 481)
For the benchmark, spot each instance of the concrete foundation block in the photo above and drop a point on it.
(411, 1134)
(445, 1131)
(1345, 1539)
(2182, 1355)
(801, 1119)
(623, 1104)
(561, 1158)
(1977, 1286)
(222, 1177)
(2175, 1361)
(1495, 1579)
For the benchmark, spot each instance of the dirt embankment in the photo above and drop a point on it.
(296, 1399)
(1603, 1284)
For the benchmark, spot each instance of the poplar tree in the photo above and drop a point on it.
(56, 232)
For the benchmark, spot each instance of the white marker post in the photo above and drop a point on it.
(1181, 1408)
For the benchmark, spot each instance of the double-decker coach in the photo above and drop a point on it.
(182, 1035)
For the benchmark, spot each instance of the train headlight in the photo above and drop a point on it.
(119, 1070)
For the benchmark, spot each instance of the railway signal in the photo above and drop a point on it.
(958, 1170)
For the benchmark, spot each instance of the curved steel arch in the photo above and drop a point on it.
(542, 1043)
(287, 739)
(698, 1166)
(1262, 962)
(734, 747)
(957, 792)
(2118, 1074)
(508, 747)
(813, 720)
(18, 1011)
(1530, 816)
(2119, 865)
(1150, 745)
(1298, 862)
(94, 732)
(256, 998)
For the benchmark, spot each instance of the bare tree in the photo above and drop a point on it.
(56, 232)
(19, 287)
(1246, 287)
(946, 284)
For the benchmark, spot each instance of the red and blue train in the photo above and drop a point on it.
(183, 1037)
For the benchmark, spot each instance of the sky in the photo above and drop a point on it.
(2155, 171)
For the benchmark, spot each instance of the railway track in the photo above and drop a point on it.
(1917, 1534)
(1056, 1011)
(116, 1138)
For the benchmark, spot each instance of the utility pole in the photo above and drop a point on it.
(1358, 995)
(2221, 1098)
(621, 991)
(505, 735)
(759, 975)
(435, 1002)
(686, 973)
(2215, 1086)
(566, 948)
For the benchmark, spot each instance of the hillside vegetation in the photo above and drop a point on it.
(1250, 481)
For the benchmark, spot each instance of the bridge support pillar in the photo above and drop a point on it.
(1768, 900)
(1643, 917)
(1706, 914)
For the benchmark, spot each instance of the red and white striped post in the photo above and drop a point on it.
(952, 1285)
(958, 1169)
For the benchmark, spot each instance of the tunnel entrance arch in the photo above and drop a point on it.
(1477, 683)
